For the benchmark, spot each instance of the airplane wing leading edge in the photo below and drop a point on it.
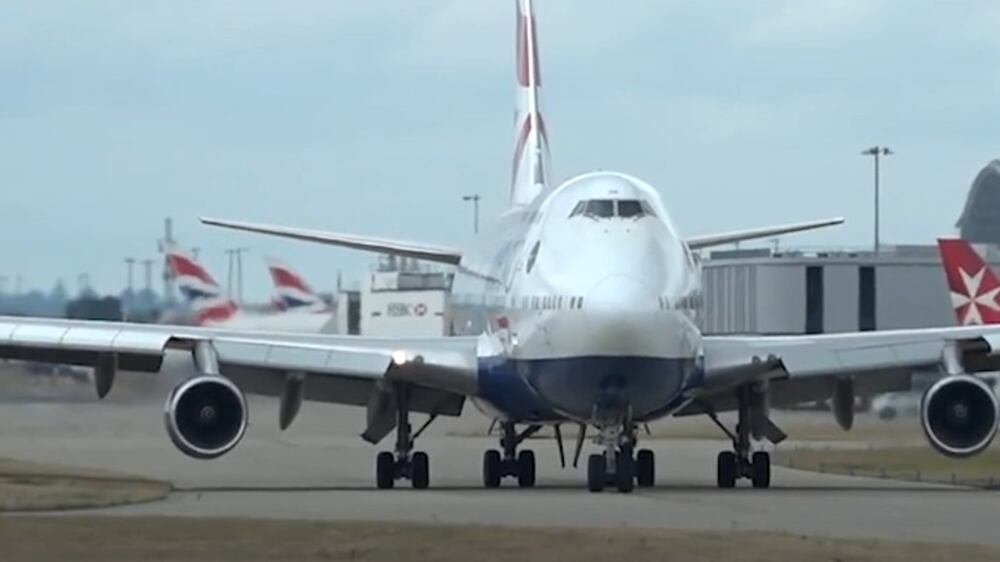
(408, 249)
(720, 239)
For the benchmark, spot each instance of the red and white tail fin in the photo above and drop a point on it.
(530, 167)
(291, 292)
(199, 289)
(973, 285)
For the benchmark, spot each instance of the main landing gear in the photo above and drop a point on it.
(404, 463)
(740, 463)
(619, 465)
(510, 462)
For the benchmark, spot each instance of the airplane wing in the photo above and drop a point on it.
(709, 240)
(437, 254)
(339, 369)
(801, 369)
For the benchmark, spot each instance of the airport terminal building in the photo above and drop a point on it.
(810, 292)
(814, 292)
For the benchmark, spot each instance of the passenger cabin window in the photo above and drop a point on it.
(608, 208)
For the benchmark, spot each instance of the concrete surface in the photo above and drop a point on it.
(320, 469)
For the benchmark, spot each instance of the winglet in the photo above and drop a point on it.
(381, 245)
(709, 240)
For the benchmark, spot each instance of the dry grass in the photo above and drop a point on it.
(188, 540)
(34, 487)
(904, 463)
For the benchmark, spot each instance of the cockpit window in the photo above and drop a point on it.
(647, 208)
(600, 208)
(629, 208)
(607, 208)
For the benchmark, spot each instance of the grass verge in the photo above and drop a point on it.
(34, 487)
(169, 539)
(921, 464)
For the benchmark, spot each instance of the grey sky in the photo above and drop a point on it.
(374, 117)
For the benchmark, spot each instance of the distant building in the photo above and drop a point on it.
(980, 219)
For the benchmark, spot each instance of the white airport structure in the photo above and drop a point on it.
(404, 299)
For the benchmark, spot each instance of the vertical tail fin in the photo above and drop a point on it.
(972, 283)
(200, 290)
(530, 168)
(291, 292)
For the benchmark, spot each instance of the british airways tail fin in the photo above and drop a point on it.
(291, 292)
(199, 289)
(972, 283)
(530, 167)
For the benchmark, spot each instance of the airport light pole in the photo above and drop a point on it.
(236, 259)
(876, 152)
(474, 198)
(128, 295)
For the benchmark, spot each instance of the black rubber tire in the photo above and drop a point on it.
(645, 468)
(760, 470)
(385, 470)
(726, 469)
(420, 471)
(526, 469)
(596, 473)
(624, 472)
(491, 469)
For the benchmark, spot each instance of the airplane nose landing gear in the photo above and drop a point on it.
(512, 463)
(619, 465)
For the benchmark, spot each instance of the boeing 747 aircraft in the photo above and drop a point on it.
(591, 299)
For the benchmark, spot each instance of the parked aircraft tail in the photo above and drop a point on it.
(199, 288)
(972, 283)
(291, 292)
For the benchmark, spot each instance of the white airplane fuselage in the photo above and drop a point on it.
(309, 322)
(588, 317)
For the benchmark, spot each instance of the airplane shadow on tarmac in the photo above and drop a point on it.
(582, 487)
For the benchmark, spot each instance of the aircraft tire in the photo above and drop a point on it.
(726, 466)
(420, 470)
(526, 469)
(624, 472)
(645, 468)
(760, 470)
(491, 468)
(596, 473)
(385, 470)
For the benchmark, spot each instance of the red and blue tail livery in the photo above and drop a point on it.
(291, 292)
(199, 288)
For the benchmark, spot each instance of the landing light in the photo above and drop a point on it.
(399, 357)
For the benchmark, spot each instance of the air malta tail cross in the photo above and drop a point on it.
(973, 285)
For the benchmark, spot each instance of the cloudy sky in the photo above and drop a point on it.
(375, 117)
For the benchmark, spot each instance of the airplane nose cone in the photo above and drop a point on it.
(619, 293)
(621, 316)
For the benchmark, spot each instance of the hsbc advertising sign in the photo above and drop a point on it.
(399, 309)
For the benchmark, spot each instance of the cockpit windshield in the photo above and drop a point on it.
(608, 208)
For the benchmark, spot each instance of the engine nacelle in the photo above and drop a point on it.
(959, 415)
(206, 416)
(843, 402)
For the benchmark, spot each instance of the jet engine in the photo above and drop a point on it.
(206, 416)
(959, 415)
